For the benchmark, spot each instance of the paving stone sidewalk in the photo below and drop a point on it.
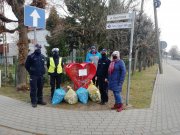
(162, 118)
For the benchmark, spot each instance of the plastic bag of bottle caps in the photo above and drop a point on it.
(58, 96)
(94, 93)
(71, 96)
(82, 94)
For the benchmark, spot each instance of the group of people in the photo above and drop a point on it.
(110, 74)
(35, 67)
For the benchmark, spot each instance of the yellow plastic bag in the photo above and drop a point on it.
(71, 96)
(94, 93)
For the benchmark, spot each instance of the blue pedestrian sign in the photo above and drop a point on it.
(34, 17)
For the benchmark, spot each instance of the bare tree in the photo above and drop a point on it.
(18, 10)
(119, 39)
(174, 52)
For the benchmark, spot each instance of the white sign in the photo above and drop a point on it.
(82, 72)
(117, 17)
(120, 25)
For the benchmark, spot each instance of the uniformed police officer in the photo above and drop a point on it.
(55, 69)
(35, 67)
(102, 76)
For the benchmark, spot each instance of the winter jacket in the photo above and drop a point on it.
(116, 78)
(35, 64)
(102, 69)
(93, 58)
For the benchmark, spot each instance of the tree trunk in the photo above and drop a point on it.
(135, 60)
(140, 65)
(23, 51)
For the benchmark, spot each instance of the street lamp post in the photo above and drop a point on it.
(157, 4)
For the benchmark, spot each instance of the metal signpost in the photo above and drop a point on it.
(34, 17)
(124, 25)
(157, 4)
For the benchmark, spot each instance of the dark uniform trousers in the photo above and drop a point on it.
(36, 85)
(103, 87)
(55, 81)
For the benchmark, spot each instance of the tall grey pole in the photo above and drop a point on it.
(130, 60)
(157, 39)
(35, 37)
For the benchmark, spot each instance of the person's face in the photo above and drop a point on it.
(55, 53)
(93, 51)
(114, 57)
(103, 53)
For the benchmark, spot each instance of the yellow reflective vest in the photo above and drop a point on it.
(52, 66)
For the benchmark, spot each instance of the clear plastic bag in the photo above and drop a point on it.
(94, 93)
(71, 96)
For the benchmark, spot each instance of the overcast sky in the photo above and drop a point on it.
(168, 20)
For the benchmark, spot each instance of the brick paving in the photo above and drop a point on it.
(162, 118)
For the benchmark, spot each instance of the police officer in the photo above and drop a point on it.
(35, 67)
(102, 76)
(55, 69)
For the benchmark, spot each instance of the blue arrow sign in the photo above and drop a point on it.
(34, 17)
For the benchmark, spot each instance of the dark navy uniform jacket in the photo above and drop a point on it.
(35, 64)
(102, 68)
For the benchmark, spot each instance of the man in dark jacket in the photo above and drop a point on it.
(55, 69)
(35, 67)
(102, 76)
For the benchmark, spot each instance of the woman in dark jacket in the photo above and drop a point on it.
(116, 76)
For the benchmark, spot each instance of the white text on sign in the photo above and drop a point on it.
(120, 25)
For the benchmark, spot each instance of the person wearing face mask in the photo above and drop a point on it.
(102, 76)
(116, 76)
(35, 66)
(55, 69)
(92, 57)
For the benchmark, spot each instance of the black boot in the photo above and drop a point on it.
(34, 105)
(41, 103)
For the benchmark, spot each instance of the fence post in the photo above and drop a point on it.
(15, 69)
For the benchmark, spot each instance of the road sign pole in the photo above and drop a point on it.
(35, 37)
(157, 39)
(130, 60)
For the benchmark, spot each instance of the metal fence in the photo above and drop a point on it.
(8, 67)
